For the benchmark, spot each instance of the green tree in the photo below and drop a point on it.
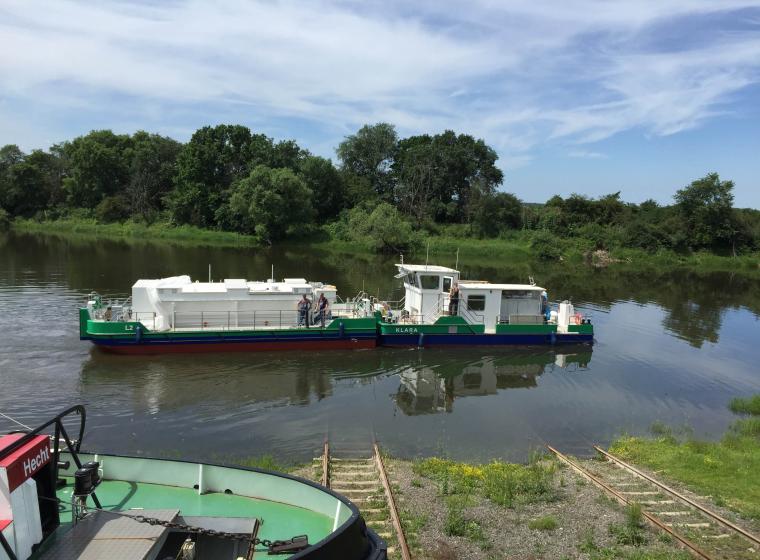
(98, 167)
(383, 228)
(437, 175)
(151, 174)
(207, 166)
(326, 185)
(31, 183)
(706, 211)
(10, 155)
(287, 154)
(271, 203)
(369, 154)
(493, 214)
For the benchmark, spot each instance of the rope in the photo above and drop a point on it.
(16, 421)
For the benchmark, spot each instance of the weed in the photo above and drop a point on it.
(547, 523)
(587, 543)
(750, 405)
(416, 483)
(746, 427)
(632, 531)
(502, 483)
(660, 429)
(459, 525)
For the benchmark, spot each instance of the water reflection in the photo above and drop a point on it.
(430, 389)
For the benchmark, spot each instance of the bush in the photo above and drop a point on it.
(643, 235)
(545, 246)
(112, 209)
(382, 228)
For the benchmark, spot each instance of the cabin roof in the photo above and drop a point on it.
(489, 286)
(426, 268)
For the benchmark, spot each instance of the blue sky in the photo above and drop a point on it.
(589, 96)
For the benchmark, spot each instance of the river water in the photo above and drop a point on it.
(672, 347)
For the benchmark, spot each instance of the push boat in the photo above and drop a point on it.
(179, 315)
(58, 502)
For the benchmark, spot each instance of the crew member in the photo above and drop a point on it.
(454, 299)
(304, 306)
(322, 307)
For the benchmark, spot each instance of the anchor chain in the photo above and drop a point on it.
(285, 546)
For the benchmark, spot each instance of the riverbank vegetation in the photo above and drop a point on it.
(385, 194)
(727, 470)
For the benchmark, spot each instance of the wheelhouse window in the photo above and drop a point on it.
(519, 294)
(447, 283)
(430, 282)
(411, 279)
(476, 303)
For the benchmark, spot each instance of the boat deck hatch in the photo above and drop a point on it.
(104, 534)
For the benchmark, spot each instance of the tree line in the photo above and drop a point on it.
(385, 191)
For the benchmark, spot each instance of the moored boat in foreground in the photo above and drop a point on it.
(57, 502)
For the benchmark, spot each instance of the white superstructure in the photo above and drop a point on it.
(179, 303)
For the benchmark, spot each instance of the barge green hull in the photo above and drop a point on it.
(133, 337)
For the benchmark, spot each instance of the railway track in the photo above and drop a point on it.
(365, 481)
(702, 532)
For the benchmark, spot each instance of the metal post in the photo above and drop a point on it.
(202, 320)
(228, 320)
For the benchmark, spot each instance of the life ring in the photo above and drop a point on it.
(578, 318)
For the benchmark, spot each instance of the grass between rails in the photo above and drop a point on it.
(506, 484)
(727, 470)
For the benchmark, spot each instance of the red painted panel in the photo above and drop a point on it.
(27, 460)
(343, 344)
(4, 523)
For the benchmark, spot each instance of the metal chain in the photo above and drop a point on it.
(286, 546)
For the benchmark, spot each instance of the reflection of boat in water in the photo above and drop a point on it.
(59, 502)
(428, 389)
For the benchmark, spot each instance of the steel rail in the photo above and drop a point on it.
(690, 546)
(723, 521)
(326, 466)
(395, 519)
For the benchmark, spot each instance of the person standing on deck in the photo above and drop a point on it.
(304, 305)
(454, 299)
(322, 306)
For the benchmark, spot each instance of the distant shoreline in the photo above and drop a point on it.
(511, 250)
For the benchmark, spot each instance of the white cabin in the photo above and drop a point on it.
(492, 304)
(426, 290)
(179, 303)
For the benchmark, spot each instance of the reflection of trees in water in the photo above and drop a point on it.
(693, 301)
(425, 389)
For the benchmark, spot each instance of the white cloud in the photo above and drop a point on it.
(586, 154)
(518, 73)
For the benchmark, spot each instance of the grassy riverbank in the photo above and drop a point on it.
(727, 470)
(517, 247)
(157, 232)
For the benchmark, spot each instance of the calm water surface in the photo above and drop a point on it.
(673, 347)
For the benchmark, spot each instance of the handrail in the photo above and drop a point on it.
(60, 430)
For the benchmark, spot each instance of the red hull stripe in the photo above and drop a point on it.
(264, 346)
